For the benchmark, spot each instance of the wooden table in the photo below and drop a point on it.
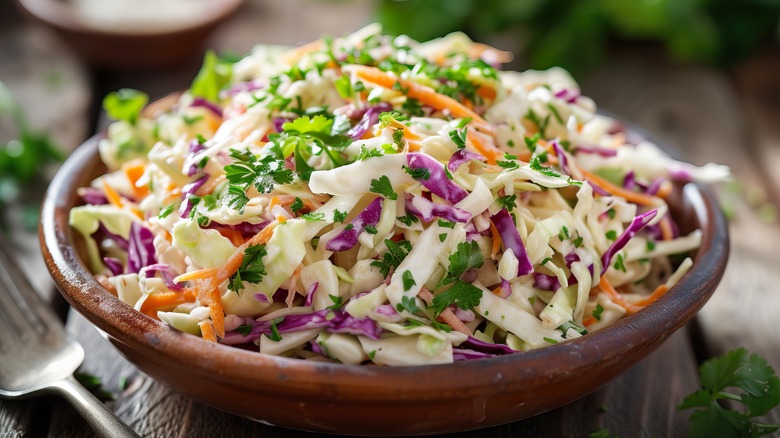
(730, 117)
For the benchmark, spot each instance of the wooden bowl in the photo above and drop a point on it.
(126, 49)
(375, 400)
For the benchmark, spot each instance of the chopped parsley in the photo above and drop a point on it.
(598, 311)
(248, 171)
(467, 256)
(251, 270)
(382, 186)
(370, 229)
(418, 173)
(408, 280)
(366, 153)
(649, 245)
(578, 241)
(313, 217)
(339, 216)
(536, 164)
(396, 253)
(508, 202)
(408, 304)
(464, 295)
(446, 224)
(338, 302)
(408, 220)
(275, 336)
(619, 265)
(296, 205)
(611, 235)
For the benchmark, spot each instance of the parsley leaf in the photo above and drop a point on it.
(408, 304)
(338, 302)
(383, 187)
(536, 164)
(758, 390)
(467, 256)
(408, 280)
(366, 153)
(508, 202)
(619, 265)
(247, 171)
(251, 270)
(418, 173)
(396, 253)
(598, 311)
(296, 205)
(462, 294)
(125, 104)
(339, 216)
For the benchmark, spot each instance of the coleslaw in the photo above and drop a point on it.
(375, 200)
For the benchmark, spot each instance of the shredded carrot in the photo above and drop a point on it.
(207, 330)
(165, 301)
(635, 197)
(486, 92)
(196, 275)
(489, 151)
(618, 299)
(294, 55)
(235, 236)
(665, 189)
(589, 321)
(426, 95)
(113, 197)
(447, 316)
(274, 201)
(653, 297)
(208, 292)
(666, 229)
(134, 170)
(496, 240)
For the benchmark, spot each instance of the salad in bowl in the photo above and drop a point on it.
(375, 200)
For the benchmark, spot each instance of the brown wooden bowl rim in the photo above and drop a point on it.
(619, 343)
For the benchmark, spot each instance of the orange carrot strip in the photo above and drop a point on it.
(665, 189)
(666, 230)
(488, 151)
(113, 197)
(294, 55)
(235, 236)
(589, 321)
(636, 198)
(166, 301)
(653, 297)
(134, 170)
(207, 330)
(618, 299)
(426, 95)
(486, 92)
(196, 275)
(496, 240)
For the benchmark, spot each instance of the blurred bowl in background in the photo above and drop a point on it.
(133, 34)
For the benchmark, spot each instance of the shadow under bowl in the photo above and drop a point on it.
(375, 400)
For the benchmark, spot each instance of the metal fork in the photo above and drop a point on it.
(37, 356)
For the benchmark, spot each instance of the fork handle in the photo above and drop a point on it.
(102, 420)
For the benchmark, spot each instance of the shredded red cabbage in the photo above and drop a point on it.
(461, 354)
(114, 265)
(349, 236)
(92, 196)
(598, 150)
(486, 347)
(506, 288)
(238, 87)
(310, 293)
(427, 210)
(634, 227)
(140, 251)
(189, 190)
(370, 118)
(213, 107)
(511, 238)
(166, 274)
(437, 183)
(120, 241)
(546, 282)
(563, 161)
(461, 157)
